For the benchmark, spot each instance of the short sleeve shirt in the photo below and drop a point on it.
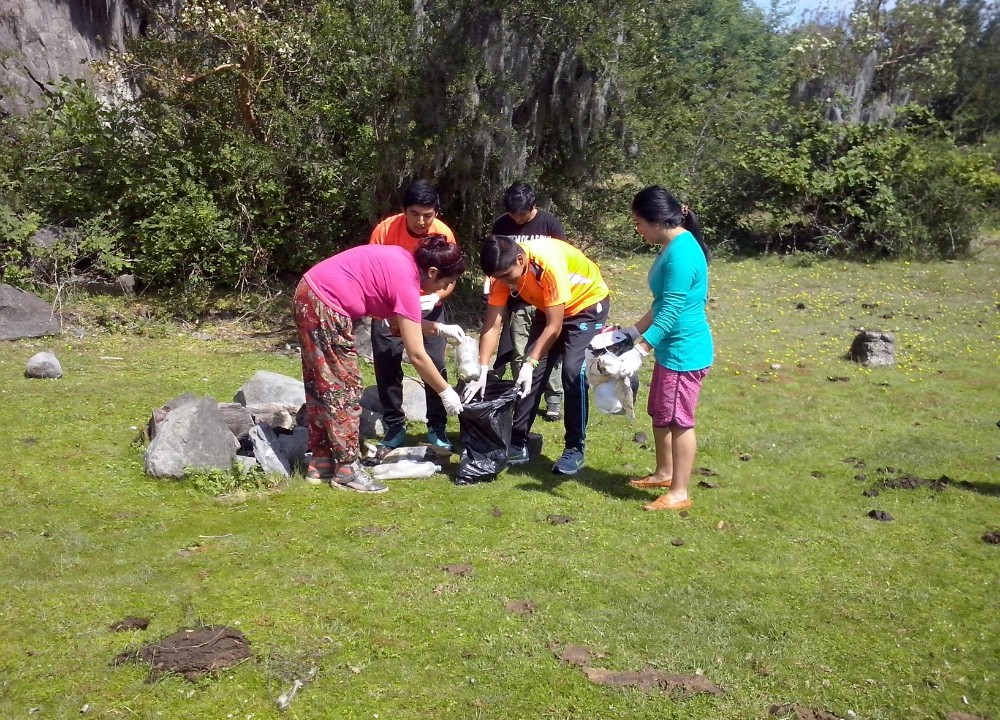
(392, 231)
(557, 274)
(370, 280)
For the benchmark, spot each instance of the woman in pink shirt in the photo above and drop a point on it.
(383, 282)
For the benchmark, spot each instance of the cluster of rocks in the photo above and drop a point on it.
(263, 425)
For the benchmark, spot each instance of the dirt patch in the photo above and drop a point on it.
(964, 716)
(856, 462)
(559, 519)
(191, 652)
(680, 686)
(708, 485)
(129, 623)
(880, 515)
(520, 607)
(677, 542)
(704, 472)
(496, 512)
(802, 713)
(460, 569)
(579, 655)
(992, 538)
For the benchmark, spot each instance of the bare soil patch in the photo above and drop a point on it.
(460, 569)
(679, 686)
(802, 713)
(520, 607)
(191, 652)
(129, 623)
(578, 655)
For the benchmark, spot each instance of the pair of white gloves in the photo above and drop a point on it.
(628, 364)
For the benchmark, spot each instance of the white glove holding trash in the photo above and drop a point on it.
(631, 361)
(475, 389)
(452, 333)
(451, 401)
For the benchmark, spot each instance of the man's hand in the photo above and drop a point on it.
(453, 333)
(523, 383)
(476, 387)
(429, 302)
(451, 401)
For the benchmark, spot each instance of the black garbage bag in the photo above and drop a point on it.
(484, 427)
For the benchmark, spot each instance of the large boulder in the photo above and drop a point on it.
(43, 365)
(237, 418)
(192, 436)
(275, 415)
(271, 387)
(23, 315)
(414, 400)
(160, 414)
(268, 452)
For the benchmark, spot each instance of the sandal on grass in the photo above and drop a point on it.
(320, 470)
(644, 483)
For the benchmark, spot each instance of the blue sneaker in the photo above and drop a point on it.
(437, 438)
(570, 462)
(394, 437)
(517, 455)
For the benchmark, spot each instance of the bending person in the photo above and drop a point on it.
(385, 283)
(572, 301)
(418, 220)
(676, 330)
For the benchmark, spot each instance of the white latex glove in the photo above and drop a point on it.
(632, 332)
(476, 387)
(631, 361)
(523, 383)
(451, 401)
(453, 333)
(429, 302)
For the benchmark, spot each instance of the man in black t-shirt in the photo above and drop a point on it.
(524, 221)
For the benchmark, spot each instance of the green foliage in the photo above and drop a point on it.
(849, 189)
(237, 479)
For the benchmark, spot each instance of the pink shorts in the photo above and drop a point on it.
(673, 396)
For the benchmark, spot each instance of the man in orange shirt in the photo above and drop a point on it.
(572, 298)
(418, 220)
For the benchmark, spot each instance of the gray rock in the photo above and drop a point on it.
(23, 315)
(237, 418)
(267, 451)
(43, 365)
(160, 414)
(363, 338)
(873, 348)
(271, 387)
(295, 446)
(44, 40)
(414, 400)
(372, 425)
(275, 415)
(370, 401)
(248, 463)
(192, 436)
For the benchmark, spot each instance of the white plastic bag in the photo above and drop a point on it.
(467, 359)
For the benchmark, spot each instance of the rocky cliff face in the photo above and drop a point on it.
(44, 40)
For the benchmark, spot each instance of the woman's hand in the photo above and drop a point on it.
(453, 333)
(631, 361)
(451, 401)
(476, 387)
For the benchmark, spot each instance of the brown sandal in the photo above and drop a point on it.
(320, 470)
(647, 483)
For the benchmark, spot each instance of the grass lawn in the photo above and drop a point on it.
(776, 586)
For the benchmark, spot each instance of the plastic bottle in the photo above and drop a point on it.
(404, 469)
(467, 359)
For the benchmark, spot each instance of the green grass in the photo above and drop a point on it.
(797, 597)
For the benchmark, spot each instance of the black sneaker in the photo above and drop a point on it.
(553, 413)
(517, 455)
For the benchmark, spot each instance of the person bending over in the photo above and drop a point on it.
(572, 299)
(382, 283)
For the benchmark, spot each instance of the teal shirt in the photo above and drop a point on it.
(679, 332)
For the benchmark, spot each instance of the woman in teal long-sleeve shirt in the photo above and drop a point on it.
(676, 331)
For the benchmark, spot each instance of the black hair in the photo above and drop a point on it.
(499, 253)
(657, 206)
(434, 250)
(422, 192)
(519, 198)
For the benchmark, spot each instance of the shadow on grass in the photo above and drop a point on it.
(538, 477)
(983, 488)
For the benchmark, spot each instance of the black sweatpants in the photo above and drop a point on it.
(387, 354)
(572, 343)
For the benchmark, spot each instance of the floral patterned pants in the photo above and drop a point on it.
(331, 376)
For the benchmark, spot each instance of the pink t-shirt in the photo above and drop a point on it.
(374, 280)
